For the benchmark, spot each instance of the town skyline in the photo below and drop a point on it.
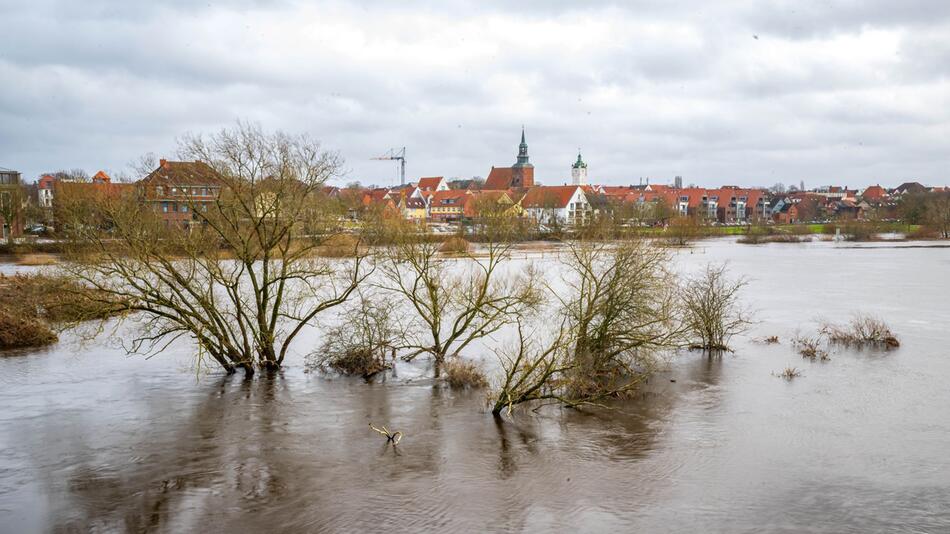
(851, 94)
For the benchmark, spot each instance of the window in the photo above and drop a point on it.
(184, 208)
(159, 190)
(164, 207)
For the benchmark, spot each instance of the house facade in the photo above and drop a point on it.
(177, 188)
(564, 205)
(11, 204)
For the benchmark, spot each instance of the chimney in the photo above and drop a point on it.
(163, 163)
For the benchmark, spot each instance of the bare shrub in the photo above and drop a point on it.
(364, 337)
(811, 348)
(533, 372)
(454, 245)
(56, 298)
(462, 374)
(711, 309)
(450, 302)
(21, 332)
(682, 230)
(862, 331)
(770, 340)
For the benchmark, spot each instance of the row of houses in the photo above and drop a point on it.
(174, 189)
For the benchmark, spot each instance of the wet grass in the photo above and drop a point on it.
(811, 348)
(461, 374)
(790, 373)
(33, 306)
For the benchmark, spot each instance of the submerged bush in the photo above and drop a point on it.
(811, 348)
(712, 314)
(790, 373)
(454, 245)
(359, 344)
(356, 362)
(339, 246)
(56, 299)
(862, 331)
(462, 374)
(21, 332)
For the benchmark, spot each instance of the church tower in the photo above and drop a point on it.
(579, 171)
(522, 172)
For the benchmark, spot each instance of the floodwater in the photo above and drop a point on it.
(94, 440)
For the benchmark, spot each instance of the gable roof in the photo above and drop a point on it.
(910, 187)
(557, 196)
(499, 178)
(182, 173)
(430, 183)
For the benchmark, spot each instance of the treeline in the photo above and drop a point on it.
(268, 260)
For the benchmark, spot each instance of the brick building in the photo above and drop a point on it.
(176, 188)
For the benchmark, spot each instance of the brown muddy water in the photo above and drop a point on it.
(94, 440)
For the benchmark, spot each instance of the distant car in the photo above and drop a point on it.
(36, 229)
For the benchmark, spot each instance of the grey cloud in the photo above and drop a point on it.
(644, 88)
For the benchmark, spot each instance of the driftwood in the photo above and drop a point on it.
(393, 437)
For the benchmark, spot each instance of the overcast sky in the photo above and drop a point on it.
(846, 92)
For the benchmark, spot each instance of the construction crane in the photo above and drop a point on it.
(400, 156)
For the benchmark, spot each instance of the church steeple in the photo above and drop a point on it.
(579, 171)
(522, 150)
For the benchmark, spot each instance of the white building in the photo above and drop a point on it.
(579, 171)
(561, 204)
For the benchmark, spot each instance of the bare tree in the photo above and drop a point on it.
(711, 309)
(620, 310)
(241, 277)
(454, 301)
(618, 316)
(938, 212)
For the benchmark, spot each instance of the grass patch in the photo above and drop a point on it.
(55, 299)
(36, 260)
(790, 373)
(339, 246)
(21, 332)
(454, 245)
(461, 374)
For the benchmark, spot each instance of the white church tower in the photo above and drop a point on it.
(579, 171)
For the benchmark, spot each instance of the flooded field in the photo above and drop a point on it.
(94, 440)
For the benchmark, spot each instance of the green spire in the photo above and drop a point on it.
(579, 164)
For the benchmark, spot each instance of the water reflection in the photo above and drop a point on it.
(92, 440)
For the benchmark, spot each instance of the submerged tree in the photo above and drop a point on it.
(620, 310)
(454, 301)
(711, 309)
(236, 268)
(618, 316)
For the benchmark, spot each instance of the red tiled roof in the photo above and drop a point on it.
(499, 178)
(549, 196)
(875, 192)
(430, 183)
(182, 173)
